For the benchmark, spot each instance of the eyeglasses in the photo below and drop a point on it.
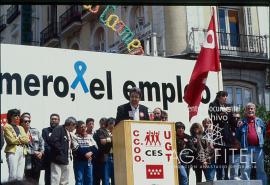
(26, 121)
(16, 115)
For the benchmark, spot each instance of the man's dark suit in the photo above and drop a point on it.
(123, 113)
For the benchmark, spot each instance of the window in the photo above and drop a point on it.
(136, 19)
(230, 94)
(51, 14)
(249, 28)
(228, 20)
(240, 95)
(99, 40)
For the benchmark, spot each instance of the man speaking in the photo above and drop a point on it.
(132, 110)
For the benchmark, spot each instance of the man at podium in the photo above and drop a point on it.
(132, 110)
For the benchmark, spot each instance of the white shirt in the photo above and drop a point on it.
(135, 113)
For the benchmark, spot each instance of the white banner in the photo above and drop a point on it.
(92, 84)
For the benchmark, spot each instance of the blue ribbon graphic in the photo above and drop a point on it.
(80, 68)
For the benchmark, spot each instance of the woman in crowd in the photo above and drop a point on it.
(184, 148)
(209, 147)
(203, 154)
(164, 116)
(35, 150)
(16, 147)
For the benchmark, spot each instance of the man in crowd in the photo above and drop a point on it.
(220, 114)
(157, 114)
(103, 137)
(164, 116)
(46, 133)
(132, 110)
(60, 142)
(106, 141)
(98, 161)
(251, 135)
(83, 153)
(90, 126)
(234, 144)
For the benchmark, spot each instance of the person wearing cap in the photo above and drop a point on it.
(184, 148)
(16, 148)
(132, 110)
(60, 142)
(35, 150)
(221, 113)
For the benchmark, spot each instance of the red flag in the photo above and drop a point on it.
(208, 60)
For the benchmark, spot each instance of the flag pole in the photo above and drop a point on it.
(213, 8)
(218, 81)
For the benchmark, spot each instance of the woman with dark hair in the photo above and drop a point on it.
(16, 148)
(220, 113)
(35, 150)
(202, 151)
(184, 152)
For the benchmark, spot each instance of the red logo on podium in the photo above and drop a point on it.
(154, 172)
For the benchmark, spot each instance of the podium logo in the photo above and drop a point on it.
(154, 172)
(152, 138)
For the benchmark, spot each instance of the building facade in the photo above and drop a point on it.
(164, 31)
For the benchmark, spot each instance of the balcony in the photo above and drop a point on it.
(12, 13)
(49, 36)
(233, 45)
(89, 16)
(2, 23)
(70, 20)
(31, 43)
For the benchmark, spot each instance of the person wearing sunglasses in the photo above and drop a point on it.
(16, 148)
(35, 150)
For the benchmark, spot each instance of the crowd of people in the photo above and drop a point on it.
(224, 144)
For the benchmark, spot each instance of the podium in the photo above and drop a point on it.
(145, 153)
